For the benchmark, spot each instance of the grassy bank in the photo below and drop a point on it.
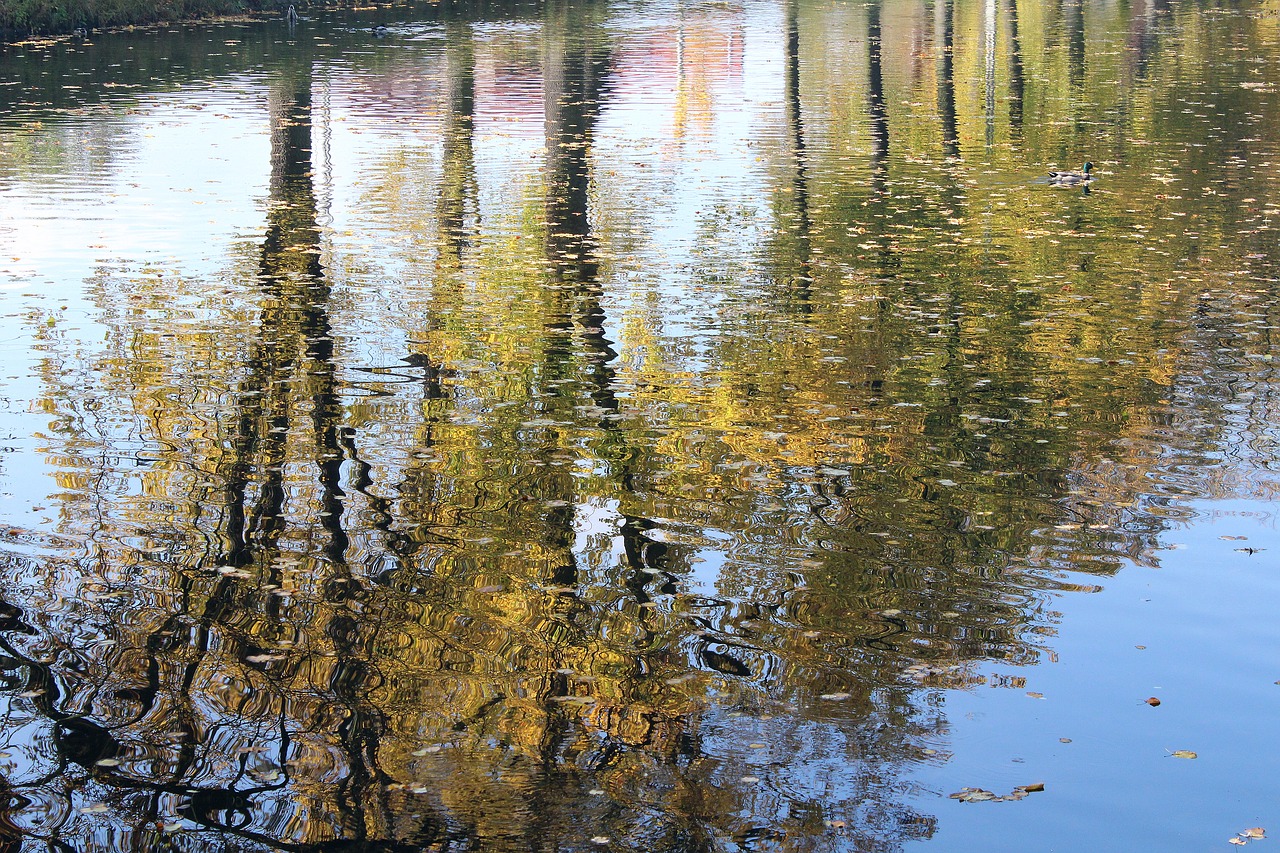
(21, 18)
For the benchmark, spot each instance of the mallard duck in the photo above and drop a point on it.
(1073, 178)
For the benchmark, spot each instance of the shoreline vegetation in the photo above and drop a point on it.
(27, 20)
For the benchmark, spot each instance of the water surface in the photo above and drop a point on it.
(642, 426)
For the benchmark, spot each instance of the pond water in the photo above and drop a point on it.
(655, 426)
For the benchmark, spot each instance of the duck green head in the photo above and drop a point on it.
(1088, 166)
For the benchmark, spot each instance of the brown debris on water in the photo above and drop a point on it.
(981, 795)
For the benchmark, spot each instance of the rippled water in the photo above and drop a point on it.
(642, 426)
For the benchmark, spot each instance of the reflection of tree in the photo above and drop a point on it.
(293, 358)
(1073, 15)
(458, 171)
(575, 67)
(989, 12)
(1017, 79)
(877, 110)
(1142, 40)
(944, 28)
(520, 571)
(623, 714)
(291, 274)
(800, 183)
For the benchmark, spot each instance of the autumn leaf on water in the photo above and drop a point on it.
(979, 795)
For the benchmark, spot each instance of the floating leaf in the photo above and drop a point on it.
(979, 795)
(1255, 832)
(1183, 753)
(1153, 701)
